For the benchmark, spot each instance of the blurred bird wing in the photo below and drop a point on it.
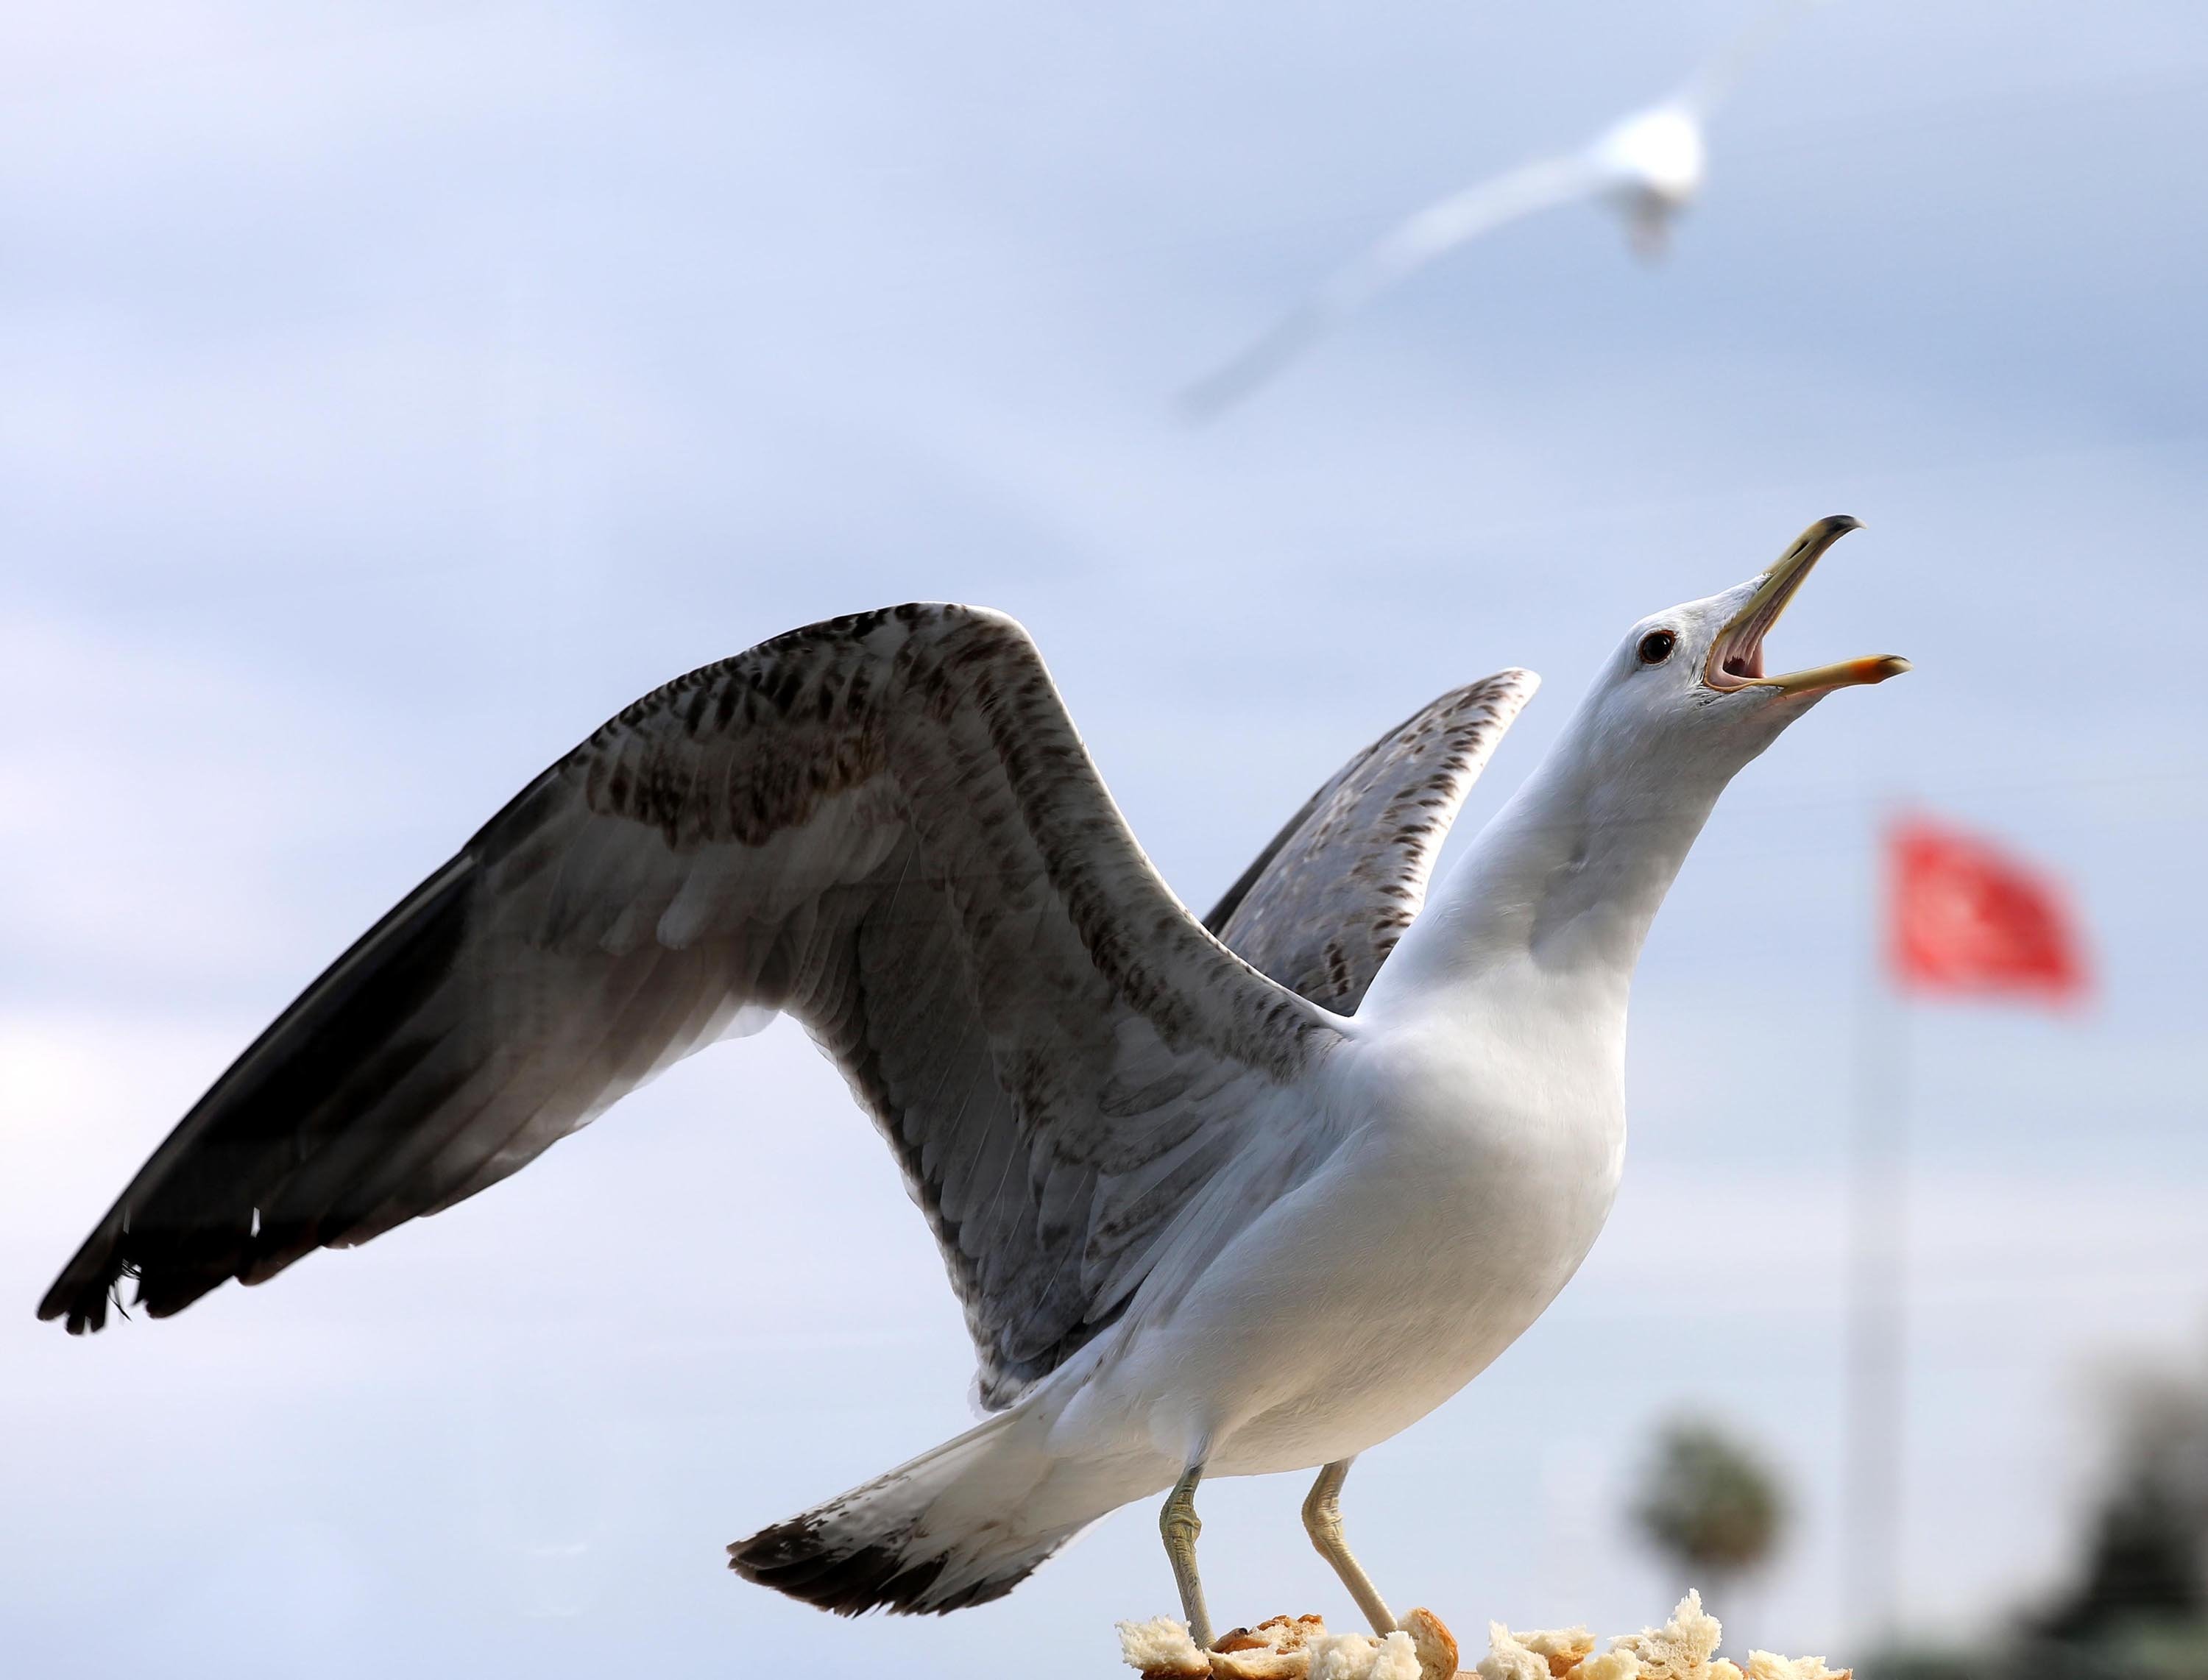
(1714, 82)
(883, 825)
(1456, 220)
(1434, 231)
(1325, 902)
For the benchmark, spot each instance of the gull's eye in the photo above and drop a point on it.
(1656, 646)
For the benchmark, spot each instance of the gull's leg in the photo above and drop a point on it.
(1178, 1523)
(1323, 1523)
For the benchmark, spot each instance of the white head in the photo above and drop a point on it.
(1573, 868)
(1685, 700)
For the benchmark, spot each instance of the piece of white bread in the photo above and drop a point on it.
(1275, 1650)
(1509, 1657)
(1763, 1666)
(1539, 1655)
(1683, 1649)
(1624, 1665)
(1435, 1644)
(1161, 1647)
(1355, 1657)
(1679, 1650)
(1297, 1649)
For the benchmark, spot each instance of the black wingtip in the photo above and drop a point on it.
(190, 1220)
(88, 1285)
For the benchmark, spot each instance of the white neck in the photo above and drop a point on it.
(1564, 882)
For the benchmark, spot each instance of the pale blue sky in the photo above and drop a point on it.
(393, 392)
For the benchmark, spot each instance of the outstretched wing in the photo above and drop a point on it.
(1323, 905)
(1713, 84)
(1413, 243)
(884, 826)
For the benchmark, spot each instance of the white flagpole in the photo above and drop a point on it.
(1877, 1327)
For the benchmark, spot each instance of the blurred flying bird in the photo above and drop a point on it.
(1229, 1197)
(1647, 167)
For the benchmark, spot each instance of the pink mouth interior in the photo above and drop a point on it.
(1744, 660)
(1738, 654)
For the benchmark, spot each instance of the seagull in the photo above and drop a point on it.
(1647, 167)
(1229, 1197)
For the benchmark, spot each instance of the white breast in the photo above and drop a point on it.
(1476, 1169)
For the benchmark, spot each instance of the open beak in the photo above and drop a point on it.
(1736, 658)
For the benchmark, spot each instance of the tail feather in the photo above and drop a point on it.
(958, 1525)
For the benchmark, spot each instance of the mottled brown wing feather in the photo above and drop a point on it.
(1325, 902)
(884, 826)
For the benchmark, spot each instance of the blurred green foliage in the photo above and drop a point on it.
(1710, 1503)
(2136, 1605)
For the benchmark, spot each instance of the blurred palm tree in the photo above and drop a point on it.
(1711, 1504)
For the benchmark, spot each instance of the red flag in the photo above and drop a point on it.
(1964, 917)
